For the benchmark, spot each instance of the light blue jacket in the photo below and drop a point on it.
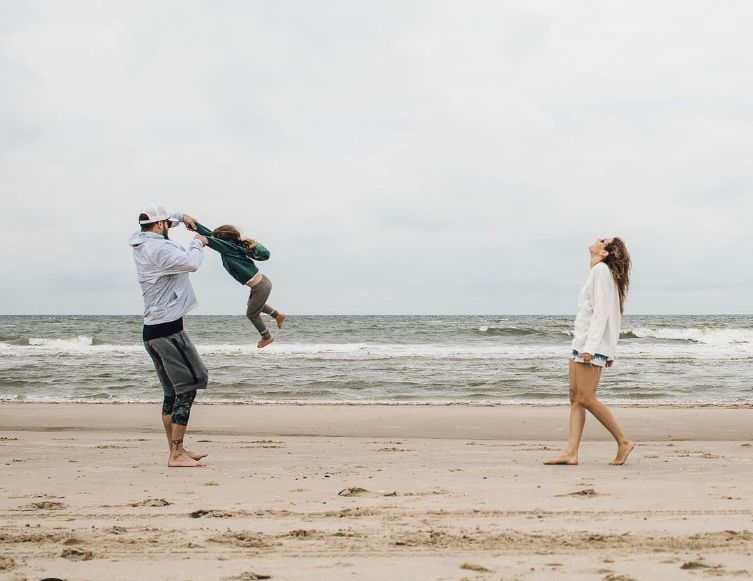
(163, 267)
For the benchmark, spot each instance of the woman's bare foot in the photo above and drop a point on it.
(280, 318)
(563, 459)
(194, 455)
(182, 461)
(264, 342)
(623, 451)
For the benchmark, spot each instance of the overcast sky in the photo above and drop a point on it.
(396, 157)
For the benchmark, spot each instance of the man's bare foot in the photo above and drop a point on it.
(264, 342)
(623, 451)
(182, 461)
(280, 318)
(195, 455)
(564, 459)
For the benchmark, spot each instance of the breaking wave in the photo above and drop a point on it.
(706, 335)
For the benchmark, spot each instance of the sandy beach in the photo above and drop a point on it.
(373, 492)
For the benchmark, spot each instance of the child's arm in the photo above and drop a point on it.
(260, 252)
(203, 230)
(222, 246)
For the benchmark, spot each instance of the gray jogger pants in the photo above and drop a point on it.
(257, 304)
(178, 364)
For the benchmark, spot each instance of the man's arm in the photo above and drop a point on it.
(191, 224)
(174, 260)
(189, 221)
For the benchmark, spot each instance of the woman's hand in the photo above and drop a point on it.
(610, 363)
(587, 357)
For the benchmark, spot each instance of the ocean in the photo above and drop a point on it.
(371, 359)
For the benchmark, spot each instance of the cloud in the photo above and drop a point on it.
(396, 157)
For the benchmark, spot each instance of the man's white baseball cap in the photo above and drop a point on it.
(155, 213)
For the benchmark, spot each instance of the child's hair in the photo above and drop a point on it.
(232, 234)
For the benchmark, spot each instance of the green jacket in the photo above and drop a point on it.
(238, 261)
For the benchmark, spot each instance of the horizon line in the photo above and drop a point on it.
(378, 314)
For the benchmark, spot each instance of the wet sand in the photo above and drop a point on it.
(373, 492)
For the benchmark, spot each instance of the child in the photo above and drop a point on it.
(238, 255)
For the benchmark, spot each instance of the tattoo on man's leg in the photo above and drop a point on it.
(177, 443)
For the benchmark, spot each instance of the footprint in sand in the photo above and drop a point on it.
(211, 514)
(150, 502)
(44, 505)
(358, 491)
(355, 491)
(77, 554)
(584, 492)
(116, 530)
(690, 565)
(248, 576)
(434, 492)
(245, 539)
(303, 534)
(476, 568)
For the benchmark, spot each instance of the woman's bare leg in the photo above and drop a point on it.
(577, 415)
(577, 421)
(587, 380)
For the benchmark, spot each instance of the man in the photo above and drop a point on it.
(163, 268)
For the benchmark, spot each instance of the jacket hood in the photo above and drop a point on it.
(137, 239)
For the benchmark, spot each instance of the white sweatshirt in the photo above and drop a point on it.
(597, 324)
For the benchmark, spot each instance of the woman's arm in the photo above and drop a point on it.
(602, 289)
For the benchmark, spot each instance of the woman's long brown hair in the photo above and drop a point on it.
(619, 264)
(230, 233)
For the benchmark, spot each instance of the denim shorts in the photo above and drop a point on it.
(597, 359)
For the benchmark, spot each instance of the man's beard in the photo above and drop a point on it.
(165, 232)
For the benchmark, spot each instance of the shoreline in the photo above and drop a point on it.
(304, 403)
(497, 422)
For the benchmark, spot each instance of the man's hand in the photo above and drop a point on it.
(610, 363)
(202, 239)
(190, 222)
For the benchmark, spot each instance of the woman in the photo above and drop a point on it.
(597, 328)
